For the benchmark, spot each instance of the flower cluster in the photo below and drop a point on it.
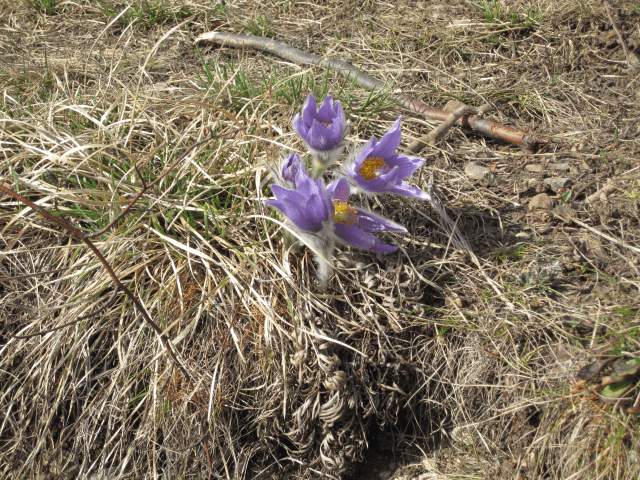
(322, 215)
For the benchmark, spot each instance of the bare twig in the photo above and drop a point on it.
(283, 50)
(613, 240)
(444, 127)
(77, 233)
(610, 187)
(623, 42)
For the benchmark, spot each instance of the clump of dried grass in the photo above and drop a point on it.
(433, 343)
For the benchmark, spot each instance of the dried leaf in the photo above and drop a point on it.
(628, 368)
(622, 372)
(589, 371)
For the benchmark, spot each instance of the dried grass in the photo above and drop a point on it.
(469, 354)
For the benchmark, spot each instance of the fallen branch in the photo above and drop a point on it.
(440, 130)
(476, 123)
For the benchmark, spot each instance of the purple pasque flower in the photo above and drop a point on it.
(290, 167)
(283, 173)
(376, 168)
(307, 207)
(321, 216)
(309, 212)
(323, 130)
(352, 225)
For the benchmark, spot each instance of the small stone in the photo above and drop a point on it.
(428, 464)
(453, 302)
(560, 166)
(556, 184)
(531, 183)
(534, 168)
(540, 202)
(426, 476)
(476, 170)
(570, 267)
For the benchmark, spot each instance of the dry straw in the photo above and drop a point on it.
(464, 345)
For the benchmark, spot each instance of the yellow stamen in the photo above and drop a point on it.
(345, 214)
(326, 124)
(372, 168)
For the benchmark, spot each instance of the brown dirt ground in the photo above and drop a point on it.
(552, 284)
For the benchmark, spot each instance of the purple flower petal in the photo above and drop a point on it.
(318, 209)
(378, 169)
(309, 110)
(389, 143)
(326, 113)
(294, 213)
(281, 193)
(291, 167)
(406, 165)
(300, 126)
(339, 190)
(374, 223)
(316, 198)
(384, 182)
(323, 137)
(323, 129)
(309, 206)
(403, 188)
(305, 184)
(302, 211)
(361, 239)
(365, 152)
